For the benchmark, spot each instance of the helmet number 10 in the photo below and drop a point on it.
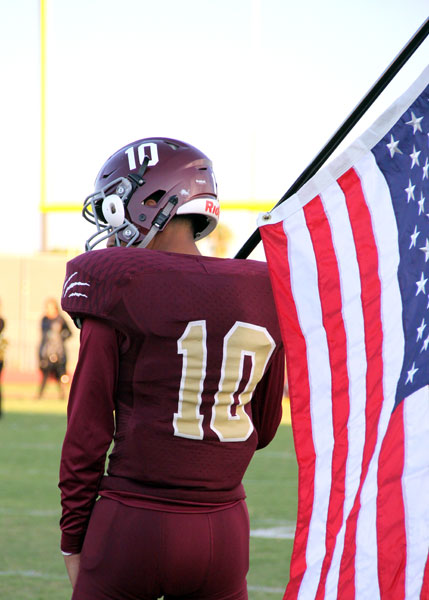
(147, 149)
(243, 339)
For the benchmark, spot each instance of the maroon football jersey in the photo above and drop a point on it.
(187, 351)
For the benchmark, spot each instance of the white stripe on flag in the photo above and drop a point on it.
(416, 488)
(338, 217)
(305, 290)
(385, 232)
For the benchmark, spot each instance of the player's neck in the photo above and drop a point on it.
(175, 238)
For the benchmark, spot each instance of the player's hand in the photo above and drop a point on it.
(72, 565)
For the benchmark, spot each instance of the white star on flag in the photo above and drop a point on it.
(420, 330)
(425, 249)
(411, 373)
(414, 237)
(421, 285)
(393, 147)
(421, 203)
(415, 157)
(426, 169)
(415, 122)
(425, 344)
(410, 191)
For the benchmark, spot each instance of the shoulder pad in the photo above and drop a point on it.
(93, 283)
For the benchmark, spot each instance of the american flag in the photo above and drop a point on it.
(349, 263)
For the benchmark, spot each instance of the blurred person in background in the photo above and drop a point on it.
(3, 344)
(52, 351)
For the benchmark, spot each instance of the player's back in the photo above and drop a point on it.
(199, 333)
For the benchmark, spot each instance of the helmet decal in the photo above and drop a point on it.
(146, 149)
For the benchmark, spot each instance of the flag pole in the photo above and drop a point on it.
(381, 83)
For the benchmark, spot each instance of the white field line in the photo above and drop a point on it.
(33, 574)
(282, 532)
(285, 531)
(265, 589)
(47, 576)
(29, 513)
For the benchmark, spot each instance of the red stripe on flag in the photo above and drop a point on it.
(276, 247)
(331, 304)
(391, 534)
(424, 595)
(367, 258)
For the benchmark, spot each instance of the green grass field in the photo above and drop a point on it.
(31, 566)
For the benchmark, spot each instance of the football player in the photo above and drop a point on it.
(181, 365)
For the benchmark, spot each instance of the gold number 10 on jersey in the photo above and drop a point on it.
(243, 339)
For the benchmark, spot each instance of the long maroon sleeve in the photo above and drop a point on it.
(90, 428)
(266, 407)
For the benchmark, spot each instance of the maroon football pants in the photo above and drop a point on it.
(140, 554)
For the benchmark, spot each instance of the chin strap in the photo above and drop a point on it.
(159, 221)
(138, 179)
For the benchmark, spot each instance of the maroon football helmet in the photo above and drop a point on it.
(177, 176)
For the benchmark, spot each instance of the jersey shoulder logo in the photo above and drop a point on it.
(74, 287)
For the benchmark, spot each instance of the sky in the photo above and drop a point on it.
(258, 85)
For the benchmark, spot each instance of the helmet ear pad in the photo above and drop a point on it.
(113, 210)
